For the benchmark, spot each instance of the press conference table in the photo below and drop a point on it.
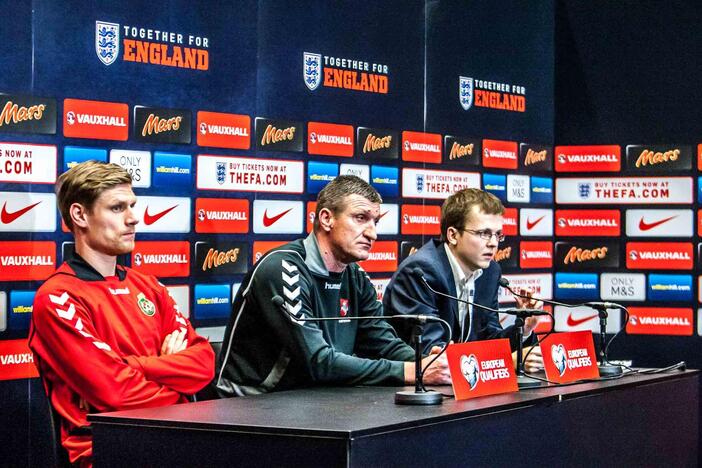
(636, 420)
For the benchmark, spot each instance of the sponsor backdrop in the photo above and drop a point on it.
(230, 121)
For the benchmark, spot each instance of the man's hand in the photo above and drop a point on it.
(534, 361)
(436, 374)
(174, 342)
(528, 302)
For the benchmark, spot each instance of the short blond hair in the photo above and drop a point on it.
(84, 182)
(456, 208)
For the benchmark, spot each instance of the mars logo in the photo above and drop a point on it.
(278, 135)
(106, 41)
(558, 355)
(312, 70)
(221, 258)
(587, 255)
(465, 92)
(470, 370)
(660, 158)
(156, 125)
(27, 114)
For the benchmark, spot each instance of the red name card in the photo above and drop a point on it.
(481, 368)
(570, 356)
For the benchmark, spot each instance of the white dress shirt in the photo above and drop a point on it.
(465, 289)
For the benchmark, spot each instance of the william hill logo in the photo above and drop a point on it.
(156, 125)
(221, 258)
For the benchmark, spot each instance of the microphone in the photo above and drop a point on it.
(504, 282)
(420, 396)
(417, 272)
(279, 302)
(601, 307)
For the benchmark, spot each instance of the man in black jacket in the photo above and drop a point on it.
(267, 347)
(460, 264)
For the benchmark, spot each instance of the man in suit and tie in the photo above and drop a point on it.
(460, 264)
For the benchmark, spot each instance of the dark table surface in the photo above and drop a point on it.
(353, 411)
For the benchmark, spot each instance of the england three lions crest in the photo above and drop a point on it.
(312, 70)
(106, 41)
(465, 92)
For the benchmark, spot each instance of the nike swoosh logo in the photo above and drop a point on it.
(268, 221)
(150, 219)
(7, 217)
(530, 224)
(644, 226)
(575, 322)
(381, 216)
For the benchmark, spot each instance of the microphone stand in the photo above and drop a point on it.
(606, 370)
(419, 396)
(523, 380)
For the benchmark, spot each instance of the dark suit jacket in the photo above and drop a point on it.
(406, 294)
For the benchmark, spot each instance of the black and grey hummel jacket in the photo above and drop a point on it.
(267, 349)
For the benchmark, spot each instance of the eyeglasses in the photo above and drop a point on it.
(487, 234)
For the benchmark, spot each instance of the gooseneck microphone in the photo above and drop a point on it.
(523, 380)
(420, 395)
(605, 368)
(418, 273)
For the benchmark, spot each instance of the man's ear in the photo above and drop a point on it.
(79, 215)
(326, 219)
(452, 236)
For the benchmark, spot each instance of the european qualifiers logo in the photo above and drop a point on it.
(590, 255)
(377, 143)
(279, 135)
(491, 94)
(220, 258)
(659, 158)
(159, 125)
(151, 46)
(535, 157)
(27, 114)
(344, 73)
(460, 151)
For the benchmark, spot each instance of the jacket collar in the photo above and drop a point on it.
(86, 272)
